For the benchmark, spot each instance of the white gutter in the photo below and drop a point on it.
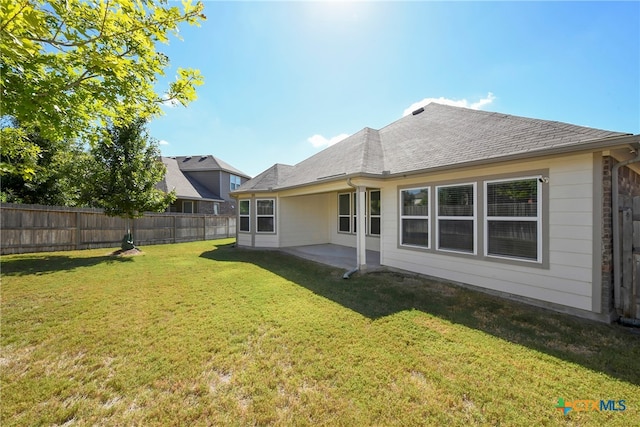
(617, 274)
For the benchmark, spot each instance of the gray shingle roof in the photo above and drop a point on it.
(185, 188)
(440, 136)
(206, 163)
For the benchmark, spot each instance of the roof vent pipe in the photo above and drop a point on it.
(418, 111)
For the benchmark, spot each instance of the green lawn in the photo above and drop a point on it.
(206, 334)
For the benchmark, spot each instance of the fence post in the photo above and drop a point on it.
(78, 230)
(204, 227)
(627, 262)
(174, 228)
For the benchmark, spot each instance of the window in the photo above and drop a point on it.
(414, 217)
(374, 212)
(354, 219)
(235, 182)
(513, 219)
(348, 212)
(266, 215)
(456, 218)
(344, 213)
(187, 206)
(244, 210)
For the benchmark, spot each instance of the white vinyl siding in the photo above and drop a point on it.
(305, 220)
(564, 276)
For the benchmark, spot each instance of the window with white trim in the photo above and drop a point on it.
(344, 213)
(234, 182)
(266, 215)
(513, 218)
(414, 217)
(456, 217)
(354, 212)
(187, 206)
(374, 212)
(244, 209)
(348, 212)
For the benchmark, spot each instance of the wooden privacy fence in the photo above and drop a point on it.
(35, 228)
(629, 289)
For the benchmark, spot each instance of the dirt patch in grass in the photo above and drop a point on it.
(128, 252)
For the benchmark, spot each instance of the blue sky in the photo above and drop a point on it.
(284, 79)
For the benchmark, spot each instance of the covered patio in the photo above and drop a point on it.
(334, 255)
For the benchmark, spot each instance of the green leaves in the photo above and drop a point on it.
(69, 68)
(124, 172)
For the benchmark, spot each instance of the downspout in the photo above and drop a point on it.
(348, 274)
(617, 273)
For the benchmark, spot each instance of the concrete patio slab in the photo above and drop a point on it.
(334, 255)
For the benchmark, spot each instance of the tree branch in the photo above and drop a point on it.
(26, 3)
(101, 36)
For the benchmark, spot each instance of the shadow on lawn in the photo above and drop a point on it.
(610, 349)
(45, 264)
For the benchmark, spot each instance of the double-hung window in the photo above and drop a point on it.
(266, 215)
(354, 218)
(456, 218)
(344, 213)
(348, 212)
(374, 212)
(414, 217)
(513, 218)
(244, 208)
(234, 182)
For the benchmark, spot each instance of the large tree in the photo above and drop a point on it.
(56, 170)
(69, 68)
(124, 172)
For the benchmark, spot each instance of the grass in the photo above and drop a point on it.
(206, 334)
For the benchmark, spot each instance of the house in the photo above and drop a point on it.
(202, 184)
(514, 206)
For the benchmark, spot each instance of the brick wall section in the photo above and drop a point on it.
(607, 237)
(629, 185)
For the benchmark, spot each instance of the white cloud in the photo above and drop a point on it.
(163, 142)
(455, 103)
(320, 141)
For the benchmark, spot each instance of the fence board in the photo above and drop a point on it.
(35, 228)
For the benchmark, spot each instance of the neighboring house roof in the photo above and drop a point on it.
(434, 137)
(184, 187)
(206, 163)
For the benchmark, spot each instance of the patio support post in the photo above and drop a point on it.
(361, 229)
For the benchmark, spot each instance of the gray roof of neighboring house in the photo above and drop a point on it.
(206, 163)
(439, 136)
(184, 187)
